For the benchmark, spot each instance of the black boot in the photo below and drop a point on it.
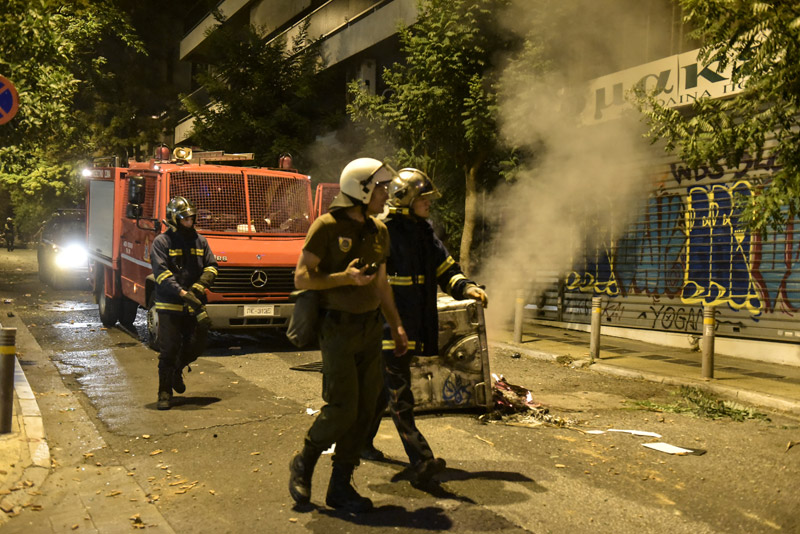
(342, 495)
(177, 381)
(164, 389)
(300, 470)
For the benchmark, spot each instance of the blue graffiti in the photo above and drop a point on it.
(455, 391)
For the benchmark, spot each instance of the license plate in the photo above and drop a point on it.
(259, 311)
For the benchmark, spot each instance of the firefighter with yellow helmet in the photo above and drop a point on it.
(184, 267)
(417, 264)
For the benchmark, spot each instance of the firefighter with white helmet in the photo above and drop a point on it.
(344, 258)
(184, 267)
(417, 263)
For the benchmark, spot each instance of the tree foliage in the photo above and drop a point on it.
(441, 108)
(264, 97)
(48, 50)
(760, 40)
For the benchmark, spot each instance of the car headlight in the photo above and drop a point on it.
(72, 257)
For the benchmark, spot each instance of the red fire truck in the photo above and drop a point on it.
(255, 220)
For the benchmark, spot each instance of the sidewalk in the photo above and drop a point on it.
(762, 384)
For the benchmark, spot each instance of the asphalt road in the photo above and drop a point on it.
(217, 462)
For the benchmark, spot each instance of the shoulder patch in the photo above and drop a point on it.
(345, 244)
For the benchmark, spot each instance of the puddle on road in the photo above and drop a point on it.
(72, 305)
(76, 325)
(103, 380)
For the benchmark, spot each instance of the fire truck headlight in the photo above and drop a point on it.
(72, 257)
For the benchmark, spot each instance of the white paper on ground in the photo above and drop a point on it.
(311, 411)
(595, 432)
(330, 450)
(636, 432)
(666, 447)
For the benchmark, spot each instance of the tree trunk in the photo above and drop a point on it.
(470, 213)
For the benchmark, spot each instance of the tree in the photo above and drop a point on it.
(48, 50)
(441, 107)
(264, 97)
(759, 40)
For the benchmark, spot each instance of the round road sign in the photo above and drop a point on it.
(9, 100)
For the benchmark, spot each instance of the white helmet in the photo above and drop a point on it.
(358, 181)
(409, 185)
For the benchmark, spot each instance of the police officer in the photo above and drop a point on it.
(8, 232)
(344, 257)
(418, 262)
(184, 268)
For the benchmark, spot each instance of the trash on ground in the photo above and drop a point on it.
(636, 432)
(330, 449)
(791, 444)
(311, 411)
(673, 449)
(514, 405)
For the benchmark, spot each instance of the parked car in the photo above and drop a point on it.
(63, 261)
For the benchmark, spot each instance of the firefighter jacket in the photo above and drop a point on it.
(181, 260)
(418, 262)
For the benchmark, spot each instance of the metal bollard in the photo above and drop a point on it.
(8, 359)
(709, 323)
(594, 343)
(519, 311)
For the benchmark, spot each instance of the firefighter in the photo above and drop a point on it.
(184, 268)
(418, 262)
(344, 257)
(8, 232)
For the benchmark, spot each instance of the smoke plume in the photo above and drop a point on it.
(580, 185)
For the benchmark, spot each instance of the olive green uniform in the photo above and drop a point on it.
(350, 334)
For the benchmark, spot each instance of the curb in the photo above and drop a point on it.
(32, 428)
(31, 433)
(751, 397)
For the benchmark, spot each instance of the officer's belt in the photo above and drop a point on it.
(346, 317)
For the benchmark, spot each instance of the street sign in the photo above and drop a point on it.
(9, 100)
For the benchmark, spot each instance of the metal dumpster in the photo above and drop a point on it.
(459, 377)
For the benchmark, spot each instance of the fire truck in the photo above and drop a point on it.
(255, 221)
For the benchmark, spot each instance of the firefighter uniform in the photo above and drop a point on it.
(350, 334)
(8, 231)
(181, 260)
(417, 264)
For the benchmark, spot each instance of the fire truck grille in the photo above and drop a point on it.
(254, 280)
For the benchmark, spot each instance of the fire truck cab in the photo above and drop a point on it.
(255, 221)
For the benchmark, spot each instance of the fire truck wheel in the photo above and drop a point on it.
(108, 306)
(152, 322)
(127, 311)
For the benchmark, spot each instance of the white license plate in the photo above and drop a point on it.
(259, 311)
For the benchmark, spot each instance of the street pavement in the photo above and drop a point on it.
(25, 460)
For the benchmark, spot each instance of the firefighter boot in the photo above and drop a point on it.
(342, 495)
(164, 389)
(177, 381)
(300, 470)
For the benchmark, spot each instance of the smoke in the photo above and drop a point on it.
(580, 185)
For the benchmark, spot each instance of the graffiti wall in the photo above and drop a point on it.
(688, 249)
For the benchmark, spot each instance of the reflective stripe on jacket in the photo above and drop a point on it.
(178, 260)
(418, 263)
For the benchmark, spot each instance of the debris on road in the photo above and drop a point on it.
(636, 432)
(672, 449)
(514, 406)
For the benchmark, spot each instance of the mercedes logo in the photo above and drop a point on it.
(258, 278)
